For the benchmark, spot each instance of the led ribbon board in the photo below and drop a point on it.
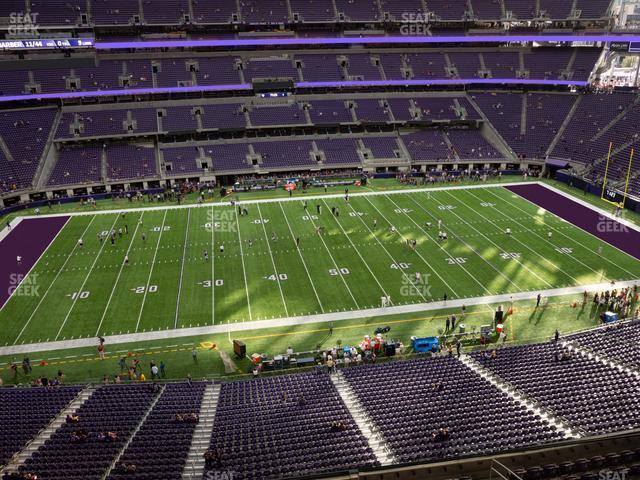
(47, 44)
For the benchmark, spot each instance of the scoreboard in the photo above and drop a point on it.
(47, 44)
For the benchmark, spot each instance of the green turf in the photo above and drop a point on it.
(374, 185)
(83, 365)
(169, 284)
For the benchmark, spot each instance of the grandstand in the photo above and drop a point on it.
(300, 239)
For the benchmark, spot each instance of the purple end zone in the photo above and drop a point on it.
(29, 239)
(605, 228)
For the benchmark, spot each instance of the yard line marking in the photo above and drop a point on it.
(495, 244)
(153, 264)
(555, 229)
(75, 246)
(244, 270)
(459, 237)
(404, 238)
(115, 284)
(335, 264)
(95, 260)
(184, 253)
(441, 247)
(273, 262)
(227, 328)
(523, 244)
(364, 262)
(213, 261)
(304, 264)
(575, 280)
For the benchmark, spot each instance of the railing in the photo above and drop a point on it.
(498, 470)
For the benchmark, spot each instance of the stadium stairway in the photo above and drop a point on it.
(623, 113)
(564, 126)
(201, 441)
(26, 453)
(609, 362)
(559, 423)
(45, 165)
(135, 432)
(382, 451)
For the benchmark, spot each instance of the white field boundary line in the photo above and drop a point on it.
(37, 261)
(582, 230)
(244, 270)
(273, 262)
(6, 231)
(153, 264)
(84, 282)
(55, 279)
(309, 319)
(184, 254)
(286, 199)
(115, 284)
(463, 242)
(304, 264)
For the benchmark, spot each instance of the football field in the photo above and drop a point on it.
(179, 276)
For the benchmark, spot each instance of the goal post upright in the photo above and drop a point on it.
(606, 171)
(627, 180)
(626, 186)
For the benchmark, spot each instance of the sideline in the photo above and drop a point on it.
(308, 319)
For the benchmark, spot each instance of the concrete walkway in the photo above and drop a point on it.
(229, 328)
(295, 198)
